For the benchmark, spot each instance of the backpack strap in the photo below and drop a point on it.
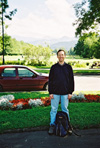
(76, 133)
(73, 129)
(70, 126)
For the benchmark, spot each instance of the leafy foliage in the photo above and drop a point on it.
(88, 45)
(87, 18)
(12, 46)
(37, 55)
(34, 55)
(4, 5)
(71, 51)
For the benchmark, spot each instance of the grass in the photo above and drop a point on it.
(53, 59)
(42, 71)
(88, 92)
(83, 71)
(73, 58)
(39, 94)
(19, 95)
(82, 115)
(91, 71)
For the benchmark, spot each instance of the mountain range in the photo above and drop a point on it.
(63, 42)
(66, 45)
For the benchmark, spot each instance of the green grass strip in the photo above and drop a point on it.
(24, 95)
(91, 71)
(39, 94)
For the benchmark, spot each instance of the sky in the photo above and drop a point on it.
(42, 19)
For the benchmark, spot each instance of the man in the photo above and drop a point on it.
(61, 86)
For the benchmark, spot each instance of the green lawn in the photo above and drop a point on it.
(89, 71)
(82, 115)
(39, 94)
(83, 71)
(19, 95)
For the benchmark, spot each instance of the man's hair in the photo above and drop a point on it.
(61, 50)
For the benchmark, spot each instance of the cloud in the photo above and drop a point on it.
(56, 25)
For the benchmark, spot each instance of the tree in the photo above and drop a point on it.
(87, 18)
(37, 55)
(7, 45)
(97, 49)
(87, 45)
(3, 6)
(71, 51)
(79, 47)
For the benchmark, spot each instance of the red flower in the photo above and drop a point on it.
(46, 101)
(24, 102)
(92, 98)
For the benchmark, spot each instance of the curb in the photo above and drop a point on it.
(42, 128)
(86, 74)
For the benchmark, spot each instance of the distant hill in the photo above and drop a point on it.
(64, 42)
(67, 45)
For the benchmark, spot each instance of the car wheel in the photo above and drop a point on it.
(46, 86)
(1, 89)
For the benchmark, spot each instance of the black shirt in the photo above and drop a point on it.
(61, 79)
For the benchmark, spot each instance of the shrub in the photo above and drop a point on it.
(87, 63)
(79, 65)
(19, 62)
(71, 63)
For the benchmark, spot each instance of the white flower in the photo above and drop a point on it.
(79, 96)
(19, 106)
(36, 102)
(4, 103)
(74, 96)
(8, 97)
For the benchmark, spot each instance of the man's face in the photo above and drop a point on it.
(61, 56)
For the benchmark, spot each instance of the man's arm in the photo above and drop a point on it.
(71, 78)
(50, 84)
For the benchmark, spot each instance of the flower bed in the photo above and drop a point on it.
(85, 98)
(8, 101)
(92, 98)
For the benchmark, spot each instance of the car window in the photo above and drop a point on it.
(9, 72)
(23, 72)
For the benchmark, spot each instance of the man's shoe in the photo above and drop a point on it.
(70, 131)
(51, 130)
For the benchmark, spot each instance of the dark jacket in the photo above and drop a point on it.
(61, 79)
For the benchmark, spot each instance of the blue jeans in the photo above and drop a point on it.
(54, 106)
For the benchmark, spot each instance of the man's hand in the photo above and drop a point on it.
(51, 96)
(69, 96)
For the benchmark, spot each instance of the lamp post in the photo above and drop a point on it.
(2, 32)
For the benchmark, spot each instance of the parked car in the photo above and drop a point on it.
(17, 77)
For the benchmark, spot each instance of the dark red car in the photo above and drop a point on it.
(17, 77)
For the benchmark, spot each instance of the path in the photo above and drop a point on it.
(87, 83)
(90, 139)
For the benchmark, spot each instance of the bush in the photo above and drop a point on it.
(87, 63)
(19, 62)
(79, 65)
(71, 63)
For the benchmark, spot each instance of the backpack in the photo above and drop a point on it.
(61, 124)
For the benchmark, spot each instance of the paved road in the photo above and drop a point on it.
(87, 83)
(40, 139)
